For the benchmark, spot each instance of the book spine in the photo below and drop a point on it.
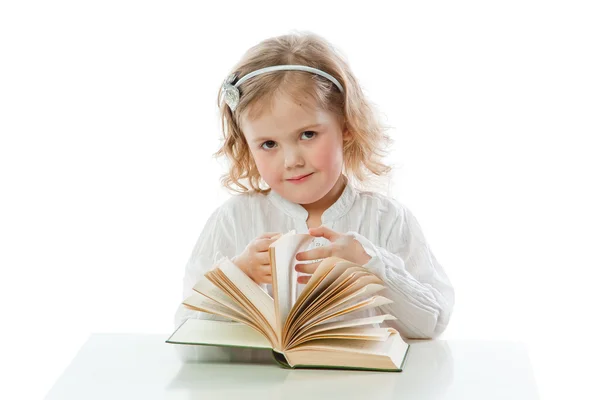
(405, 357)
(280, 359)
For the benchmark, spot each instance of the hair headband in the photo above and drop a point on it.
(232, 93)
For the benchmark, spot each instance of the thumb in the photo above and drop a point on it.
(316, 231)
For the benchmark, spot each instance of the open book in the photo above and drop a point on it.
(302, 333)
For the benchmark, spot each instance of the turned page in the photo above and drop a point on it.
(205, 287)
(334, 326)
(333, 284)
(217, 300)
(328, 271)
(251, 295)
(282, 253)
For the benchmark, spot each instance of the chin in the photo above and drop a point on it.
(308, 193)
(304, 200)
(297, 196)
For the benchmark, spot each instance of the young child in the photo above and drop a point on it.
(299, 130)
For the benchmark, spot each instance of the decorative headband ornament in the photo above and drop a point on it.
(231, 92)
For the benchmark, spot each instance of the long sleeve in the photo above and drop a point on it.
(216, 240)
(422, 293)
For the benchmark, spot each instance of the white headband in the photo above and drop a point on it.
(232, 93)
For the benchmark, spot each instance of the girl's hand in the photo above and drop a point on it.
(254, 260)
(343, 246)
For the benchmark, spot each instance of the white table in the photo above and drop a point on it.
(128, 366)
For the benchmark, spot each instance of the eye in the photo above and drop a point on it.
(268, 148)
(313, 134)
(271, 144)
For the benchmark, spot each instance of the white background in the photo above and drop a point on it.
(108, 121)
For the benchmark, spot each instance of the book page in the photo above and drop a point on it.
(325, 267)
(362, 281)
(199, 302)
(251, 290)
(349, 276)
(360, 354)
(374, 320)
(328, 271)
(361, 287)
(282, 254)
(347, 308)
(208, 289)
(355, 346)
(354, 333)
(334, 278)
(219, 333)
(330, 282)
(346, 283)
(221, 280)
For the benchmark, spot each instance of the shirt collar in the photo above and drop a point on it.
(340, 207)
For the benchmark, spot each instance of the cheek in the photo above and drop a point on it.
(326, 156)
(263, 164)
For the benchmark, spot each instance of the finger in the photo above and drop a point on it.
(325, 232)
(264, 270)
(274, 238)
(304, 279)
(307, 268)
(319, 252)
(263, 279)
(263, 258)
(263, 244)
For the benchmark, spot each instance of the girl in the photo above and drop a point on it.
(294, 118)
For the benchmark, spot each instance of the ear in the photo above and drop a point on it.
(345, 135)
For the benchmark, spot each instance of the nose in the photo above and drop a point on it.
(293, 158)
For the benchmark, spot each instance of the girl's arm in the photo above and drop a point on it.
(422, 293)
(216, 240)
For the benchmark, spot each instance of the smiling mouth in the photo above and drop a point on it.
(304, 176)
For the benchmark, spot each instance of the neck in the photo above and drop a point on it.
(319, 206)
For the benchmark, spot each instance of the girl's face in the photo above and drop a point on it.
(291, 140)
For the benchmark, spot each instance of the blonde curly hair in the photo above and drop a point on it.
(368, 142)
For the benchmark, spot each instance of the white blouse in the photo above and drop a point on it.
(422, 293)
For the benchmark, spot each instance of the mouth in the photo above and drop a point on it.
(299, 177)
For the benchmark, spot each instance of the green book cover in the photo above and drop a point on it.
(236, 335)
